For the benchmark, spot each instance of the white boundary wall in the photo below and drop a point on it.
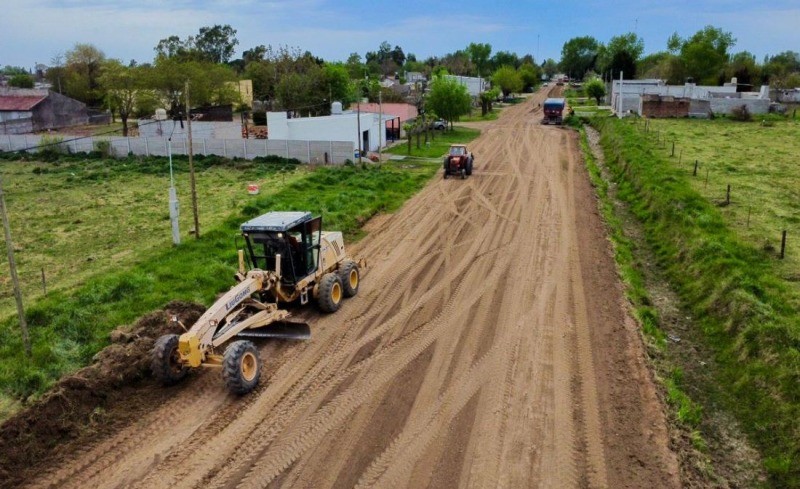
(317, 152)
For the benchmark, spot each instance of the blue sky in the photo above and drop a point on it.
(37, 30)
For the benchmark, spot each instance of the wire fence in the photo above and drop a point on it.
(728, 195)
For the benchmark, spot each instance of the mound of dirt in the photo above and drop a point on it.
(76, 406)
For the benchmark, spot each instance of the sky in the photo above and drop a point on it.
(36, 31)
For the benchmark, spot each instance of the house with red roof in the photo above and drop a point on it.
(25, 111)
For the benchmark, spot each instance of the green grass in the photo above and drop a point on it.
(761, 165)
(475, 115)
(76, 218)
(69, 326)
(439, 146)
(747, 313)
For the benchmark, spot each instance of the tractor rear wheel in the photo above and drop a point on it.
(330, 293)
(241, 367)
(469, 167)
(350, 277)
(166, 361)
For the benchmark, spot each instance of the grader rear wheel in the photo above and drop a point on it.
(350, 276)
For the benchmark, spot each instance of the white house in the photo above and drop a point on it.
(475, 85)
(340, 126)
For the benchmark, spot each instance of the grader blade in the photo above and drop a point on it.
(287, 330)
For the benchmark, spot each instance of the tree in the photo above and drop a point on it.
(209, 83)
(531, 75)
(398, 56)
(448, 99)
(744, 68)
(213, 44)
(550, 67)
(458, 63)
(778, 69)
(174, 47)
(595, 88)
(487, 98)
(21, 80)
(337, 83)
(705, 54)
(81, 74)
(122, 85)
(256, 53)
(508, 80)
(216, 44)
(578, 55)
(621, 54)
(479, 55)
(504, 58)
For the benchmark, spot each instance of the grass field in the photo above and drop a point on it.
(72, 323)
(77, 219)
(759, 162)
(440, 144)
(736, 291)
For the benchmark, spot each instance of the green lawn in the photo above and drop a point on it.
(475, 115)
(440, 144)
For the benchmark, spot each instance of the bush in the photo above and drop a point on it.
(741, 114)
(51, 147)
(104, 148)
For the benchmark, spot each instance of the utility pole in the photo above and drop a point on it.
(358, 109)
(381, 125)
(191, 165)
(12, 264)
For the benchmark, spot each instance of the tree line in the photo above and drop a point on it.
(287, 78)
(705, 58)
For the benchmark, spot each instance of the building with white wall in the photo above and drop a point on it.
(475, 85)
(342, 126)
(626, 95)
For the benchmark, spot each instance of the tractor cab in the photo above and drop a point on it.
(295, 236)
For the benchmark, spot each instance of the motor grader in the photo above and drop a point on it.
(288, 259)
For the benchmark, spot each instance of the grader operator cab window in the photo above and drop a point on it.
(297, 245)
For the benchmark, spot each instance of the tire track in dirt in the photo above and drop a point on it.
(469, 358)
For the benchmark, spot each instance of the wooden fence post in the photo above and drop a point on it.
(783, 244)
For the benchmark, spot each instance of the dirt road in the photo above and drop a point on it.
(489, 346)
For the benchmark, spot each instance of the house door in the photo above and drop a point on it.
(365, 141)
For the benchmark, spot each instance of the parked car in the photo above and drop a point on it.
(439, 124)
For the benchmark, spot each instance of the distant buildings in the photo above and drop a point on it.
(649, 96)
(25, 111)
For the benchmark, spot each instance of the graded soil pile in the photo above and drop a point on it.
(490, 345)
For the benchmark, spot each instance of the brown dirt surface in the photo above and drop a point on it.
(75, 408)
(490, 345)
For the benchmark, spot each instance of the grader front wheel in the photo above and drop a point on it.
(241, 367)
(165, 363)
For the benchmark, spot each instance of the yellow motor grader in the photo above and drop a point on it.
(290, 259)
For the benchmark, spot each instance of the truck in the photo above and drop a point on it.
(553, 111)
